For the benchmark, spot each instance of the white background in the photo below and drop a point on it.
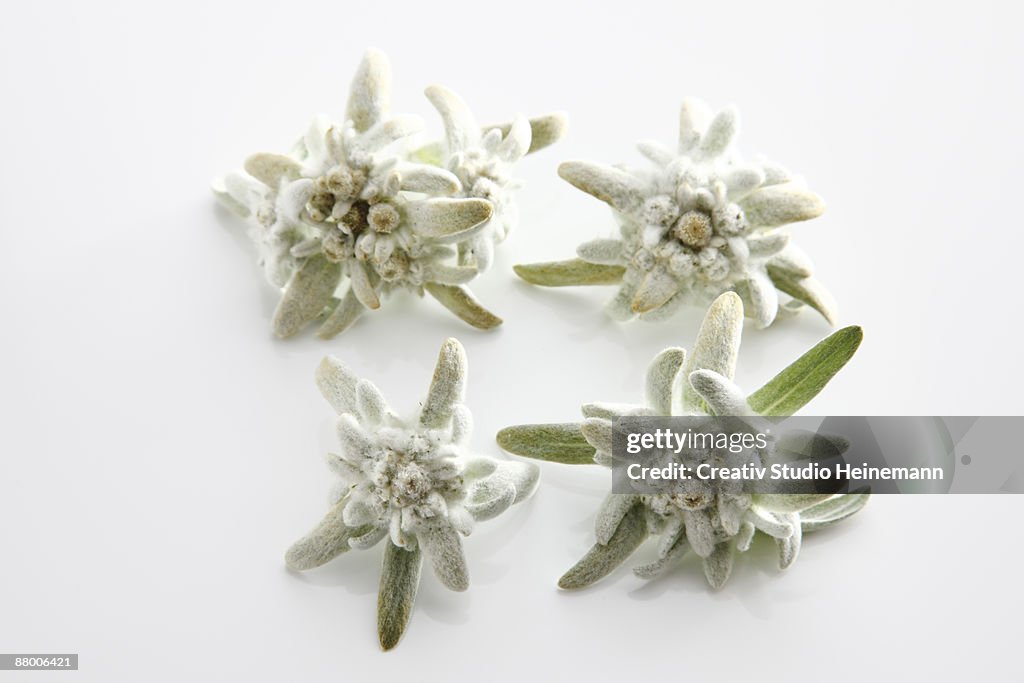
(160, 450)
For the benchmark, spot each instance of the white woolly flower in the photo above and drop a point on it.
(411, 482)
(347, 205)
(482, 159)
(701, 222)
(713, 518)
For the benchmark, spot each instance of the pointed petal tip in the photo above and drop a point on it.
(436, 91)
(547, 130)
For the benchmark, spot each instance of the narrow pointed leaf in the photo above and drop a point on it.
(661, 378)
(763, 297)
(768, 244)
(655, 289)
(459, 301)
(487, 502)
(718, 565)
(385, 132)
(721, 394)
(337, 384)
(792, 261)
(700, 531)
(308, 293)
(544, 130)
(370, 403)
(610, 515)
(693, 115)
(720, 133)
(460, 127)
(781, 204)
(717, 344)
(362, 285)
(789, 548)
(341, 318)
(807, 290)
(370, 92)
(269, 169)
(517, 141)
(602, 251)
(328, 540)
(598, 433)
(446, 387)
(428, 179)
(399, 581)
(443, 545)
(446, 218)
(792, 388)
(602, 560)
(671, 555)
(445, 274)
(563, 443)
(617, 188)
(569, 273)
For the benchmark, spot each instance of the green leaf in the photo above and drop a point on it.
(569, 273)
(716, 348)
(602, 560)
(562, 443)
(807, 289)
(792, 388)
(328, 540)
(399, 581)
(459, 301)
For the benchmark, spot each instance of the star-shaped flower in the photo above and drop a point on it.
(409, 483)
(713, 518)
(347, 205)
(702, 222)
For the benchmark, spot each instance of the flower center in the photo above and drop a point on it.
(333, 191)
(400, 478)
(693, 229)
(408, 472)
(691, 241)
(411, 484)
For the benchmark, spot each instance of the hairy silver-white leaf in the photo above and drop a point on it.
(447, 386)
(660, 383)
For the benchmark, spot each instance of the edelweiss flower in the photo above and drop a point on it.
(701, 223)
(346, 205)
(713, 518)
(409, 483)
(482, 160)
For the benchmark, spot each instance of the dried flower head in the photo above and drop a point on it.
(702, 222)
(354, 203)
(710, 517)
(409, 483)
